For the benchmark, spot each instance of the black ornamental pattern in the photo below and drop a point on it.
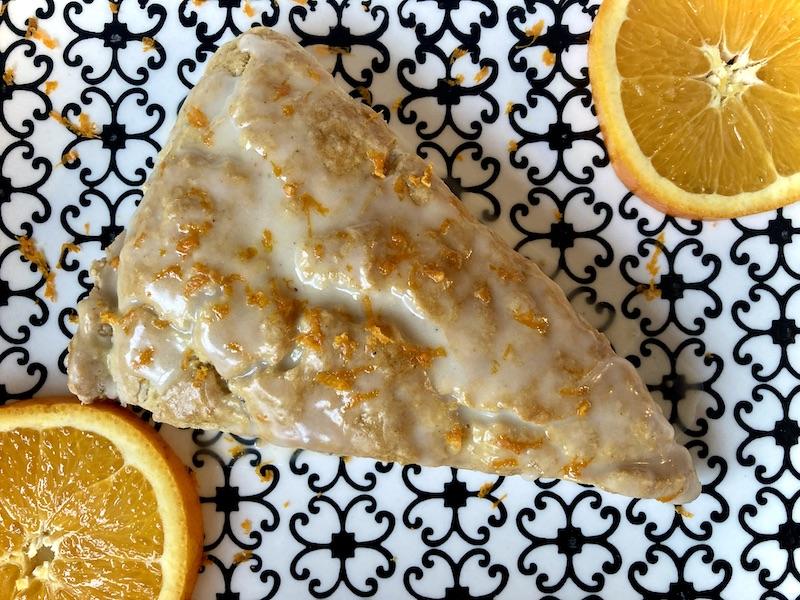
(496, 96)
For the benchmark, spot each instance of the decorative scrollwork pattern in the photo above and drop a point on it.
(496, 97)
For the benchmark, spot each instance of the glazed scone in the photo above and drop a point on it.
(292, 273)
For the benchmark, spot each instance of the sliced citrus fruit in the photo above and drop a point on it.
(699, 101)
(93, 505)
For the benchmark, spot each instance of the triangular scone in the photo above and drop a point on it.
(292, 273)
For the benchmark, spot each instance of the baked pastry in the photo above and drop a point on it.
(292, 273)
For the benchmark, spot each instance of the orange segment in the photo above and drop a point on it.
(132, 523)
(659, 57)
(697, 101)
(775, 112)
(781, 70)
(708, 17)
(94, 505)
(744, 20)
(657, 107)
(121, 579)
(8, 579)
(720, 151)
(678, 23)
(779, 30)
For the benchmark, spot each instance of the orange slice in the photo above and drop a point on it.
(93, 505)
(699, 101)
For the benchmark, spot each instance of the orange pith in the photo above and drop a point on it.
(699, 101)
(92, 506)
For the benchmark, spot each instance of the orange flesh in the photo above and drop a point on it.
(74, 517)
(710, 90)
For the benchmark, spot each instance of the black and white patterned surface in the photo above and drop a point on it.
(496, 96)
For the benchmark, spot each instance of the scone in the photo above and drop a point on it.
(292, 273)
